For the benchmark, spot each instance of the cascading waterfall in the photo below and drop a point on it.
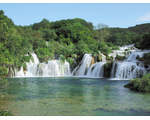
(83, 66)
(96, 70)
(128, 69)
(85, 70)
(52, 69)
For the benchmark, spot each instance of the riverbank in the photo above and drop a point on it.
(140, 85)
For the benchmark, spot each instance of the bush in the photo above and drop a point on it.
(141, 85)
(115, 48)
(71, 62)
(118, 57)
(3, 81)
(24, 66)
(63, 58)
(94, 54)
(5, 113)
(109, 58)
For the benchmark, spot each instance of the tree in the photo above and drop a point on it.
(49, 35)
(81, 46)
(102, 31)
(103, 47)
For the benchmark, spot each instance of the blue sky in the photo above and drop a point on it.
(112, 14)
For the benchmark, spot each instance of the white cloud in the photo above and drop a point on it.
(144, 18)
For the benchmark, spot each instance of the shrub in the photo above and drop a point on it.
(94, 54)
(5, 113)
(71, 62)
(115, 48)
(141, 85)
(3, 81)
(24, 66)
(63, 58)
(109, 58)
(118, 57)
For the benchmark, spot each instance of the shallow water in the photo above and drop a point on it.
(72, 96)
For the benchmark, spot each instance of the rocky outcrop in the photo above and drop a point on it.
(92, 61)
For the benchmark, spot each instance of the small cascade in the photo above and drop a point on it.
(83, 66)
(129, 70)
(85, 70)
(113, 70)
(20, 73)
(54, 68)
(36, 59)
(96, 70)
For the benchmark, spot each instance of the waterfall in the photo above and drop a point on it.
(96, 70)
(36, 59)
(52, 69)
(83, 66)
(85, 70)
(130, 68)
(127, 69)
(113, 70)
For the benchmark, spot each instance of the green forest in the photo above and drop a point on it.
(63, 38)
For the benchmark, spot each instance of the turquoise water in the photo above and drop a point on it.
(72, 97)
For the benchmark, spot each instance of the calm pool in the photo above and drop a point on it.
(71, 96)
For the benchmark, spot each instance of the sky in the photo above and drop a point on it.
(121, 15)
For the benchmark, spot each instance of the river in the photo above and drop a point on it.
(72, 96)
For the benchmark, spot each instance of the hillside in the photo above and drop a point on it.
(139, 29)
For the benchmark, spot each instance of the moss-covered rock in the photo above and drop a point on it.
(109, 58)
(108, 68)
(118, 57)
(99, 58)
(145, 59)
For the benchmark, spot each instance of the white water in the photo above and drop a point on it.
(128, 69)
(83, 66)
(121, 51)
(85, 70)
(52, 69)
(96, 70)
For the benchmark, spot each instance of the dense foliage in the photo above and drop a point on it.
(143, 41)
(138, 29)
(5, 113)
(124, 38)
(65, 39)
(141, 85)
